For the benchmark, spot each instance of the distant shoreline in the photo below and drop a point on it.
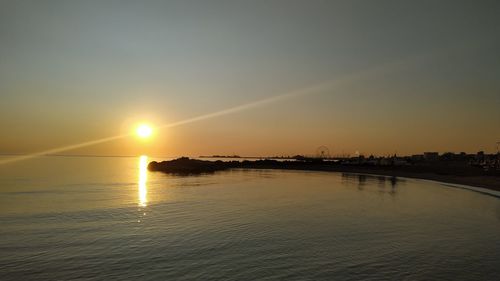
(476, 184)
(484, 182)
(470, 177)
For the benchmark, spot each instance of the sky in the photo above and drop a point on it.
(374, 77)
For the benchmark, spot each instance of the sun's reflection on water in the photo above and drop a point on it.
(143, 178)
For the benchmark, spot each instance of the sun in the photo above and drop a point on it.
(144, 131)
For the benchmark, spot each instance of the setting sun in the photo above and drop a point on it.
(306, 139)
(144, 131)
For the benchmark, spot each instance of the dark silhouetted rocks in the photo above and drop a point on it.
(186, 166)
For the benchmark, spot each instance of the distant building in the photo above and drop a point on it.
(385, 161)
(399, 162)
(480, 156)
(431, 156)
(417, 157)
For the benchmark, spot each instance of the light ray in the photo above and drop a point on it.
(313, 89)
(61, 149)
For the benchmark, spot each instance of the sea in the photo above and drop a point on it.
(109, 218)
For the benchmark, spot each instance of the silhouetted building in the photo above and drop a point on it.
(480, 156)
(431, 156)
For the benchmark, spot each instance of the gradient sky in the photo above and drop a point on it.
(406, 76)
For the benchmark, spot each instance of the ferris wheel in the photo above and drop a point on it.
(322, 152)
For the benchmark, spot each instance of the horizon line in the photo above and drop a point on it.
(345, 155)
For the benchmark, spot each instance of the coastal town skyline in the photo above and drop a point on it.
(311, 154)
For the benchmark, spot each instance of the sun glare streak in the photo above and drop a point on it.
(313, 89)
(143, 178)
(61, 149)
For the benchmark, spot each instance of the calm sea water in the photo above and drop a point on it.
(77, 218)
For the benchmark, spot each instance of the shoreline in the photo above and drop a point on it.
(469, 178)
(482, 190)
(480, 183)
